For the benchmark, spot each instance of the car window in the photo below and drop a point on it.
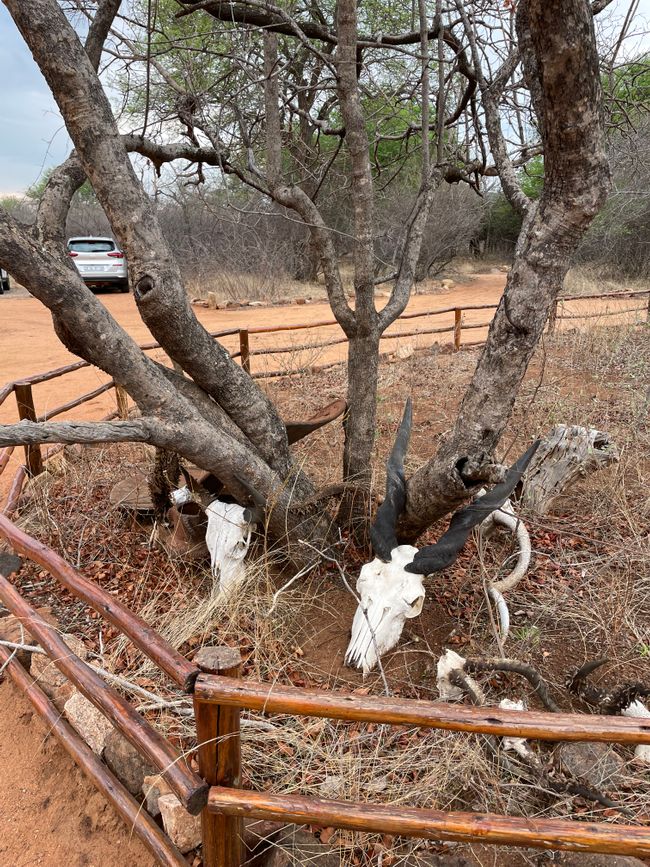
(91, 246)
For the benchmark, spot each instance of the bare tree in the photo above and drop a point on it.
(217, 416)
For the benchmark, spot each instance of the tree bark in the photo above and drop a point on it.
(561, 63)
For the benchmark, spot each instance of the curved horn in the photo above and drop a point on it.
(434, 558)
(382, 532)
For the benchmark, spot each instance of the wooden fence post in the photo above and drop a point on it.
(217, 730)
(244, 349)
(458, 321)
(122, 402)
(25, 401)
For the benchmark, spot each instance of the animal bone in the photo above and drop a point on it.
(388, 593)
(638, 709)
(507, 518)
(449, 661)
(389, 596)
(228, 538)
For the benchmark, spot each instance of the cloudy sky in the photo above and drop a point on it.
(32, 134)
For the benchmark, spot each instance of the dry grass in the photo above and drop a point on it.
(587, 594)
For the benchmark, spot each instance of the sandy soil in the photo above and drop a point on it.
(50, 814)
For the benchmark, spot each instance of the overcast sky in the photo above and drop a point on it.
(32, 134)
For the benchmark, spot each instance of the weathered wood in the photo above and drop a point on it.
(16, 489)
(132, 493)
(30, 432)
(136, 819)
(435, 824)
(77, 401)
(297, 430)
(5, 391)
(218, 737)
(25, 401)
(5, 454)
(458, 324)
(111, 609)
(244, 350)
(187, 786)
(568, 453)
(276, 698)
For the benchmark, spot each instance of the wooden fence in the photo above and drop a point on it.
(212, 678)
(218, 695)
(23, 389)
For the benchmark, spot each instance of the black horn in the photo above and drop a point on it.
(434, 558)
(383, 531)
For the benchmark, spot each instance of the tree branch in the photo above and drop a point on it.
(29, 433)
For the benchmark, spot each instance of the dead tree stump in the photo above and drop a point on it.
(567, 454)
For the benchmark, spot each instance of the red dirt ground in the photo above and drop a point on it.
(50, 814)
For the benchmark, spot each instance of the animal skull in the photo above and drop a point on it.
(228, 538)
(389, 596)
(390, 587)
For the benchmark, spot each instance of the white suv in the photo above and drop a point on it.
(5, 285)
(99, 262)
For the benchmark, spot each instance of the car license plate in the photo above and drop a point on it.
(95, 268)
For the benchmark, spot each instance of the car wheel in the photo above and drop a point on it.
(124, 287)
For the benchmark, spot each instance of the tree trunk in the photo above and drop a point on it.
(360, 425)
(561, 64)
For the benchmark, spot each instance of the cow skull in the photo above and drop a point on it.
(390, 587)
(389, 596)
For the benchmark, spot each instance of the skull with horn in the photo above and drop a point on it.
(391, 588)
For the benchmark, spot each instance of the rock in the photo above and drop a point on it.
(10, 630)
(232, 304)
(447, 284)
(153, 787)
(405, 351)
(54, 684)
(586, 859)
(505, 269)
(294, 847)
(597, 764)
(300, 301)
(126, 762)
(89, 722)
(183, 829)
(256, 303)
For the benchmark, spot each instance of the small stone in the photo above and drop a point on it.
(183, 829)
(89, 722)
(53, 683)
(597, 764)
(300, 301)
(256, 303)
(10, 630)
(447, 284)
(126, 762)
(405, 351)
(232, 304)
(153, 787)
(504, 269)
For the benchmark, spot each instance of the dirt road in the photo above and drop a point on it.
(29, 345)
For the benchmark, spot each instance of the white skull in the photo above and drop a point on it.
(228, 538)
(389, 595)
(448, 662)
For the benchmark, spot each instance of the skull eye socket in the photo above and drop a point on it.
(414, 607)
